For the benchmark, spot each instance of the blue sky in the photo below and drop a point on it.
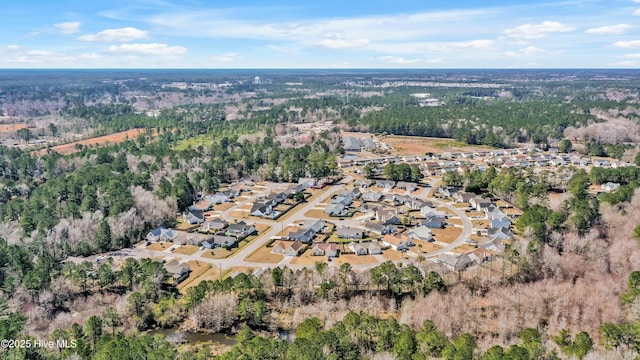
(320, 34)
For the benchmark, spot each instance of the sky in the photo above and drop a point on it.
(320, 34)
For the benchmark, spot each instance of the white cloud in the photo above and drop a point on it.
(528, 51)
(89, 56)
(624, 64)
(146, 49)
(14, 47)
(609, 30)
(636, 13)
(531, 31)
(116, 35)
(398, 60)
(464, 45)
(70, 27)
(627, 44)
(227, 57)
(633, 56)
(339, 43)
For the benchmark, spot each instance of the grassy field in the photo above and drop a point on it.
(159, 246)
(218, 253)
(355, 259)
(12, 127)
(307, 260)
(264, 255)
(186, 250)
(414, 145)
(454, 221)
(194, 142)
(394, 255)
(447, 235)
(426, 247)
(99, 140)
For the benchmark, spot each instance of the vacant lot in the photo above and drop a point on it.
(425, 248)
(218, 253)
(100, 140)
(447, 235)
(415, 145)
(186, 250)
(307, 260)
(12, 127)
(264, 255)
(394, 255)
(159, 246)
(197, 269)
(355, 259)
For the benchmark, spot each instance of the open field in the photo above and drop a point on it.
(464, 248)
(355, 259)
(264, 255)
(454, 221)
(12, 127)
(100, 140)
(218, 253)
(159, 246)
(186, 250)
(447, 235)
(425, 248)
(306, 259)
(393, 255)
(415, 145)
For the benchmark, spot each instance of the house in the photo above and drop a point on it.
(499, 233)
(388, 217)
(345, 198)
(380, 229)
(434, 222)
(219, 241)
(178, 271)
(371, 196)
(502, 222)
(214, 225)
(336, 210)
(240, 230)
(193, 216)
(454, 262)
(408, 186)
(558, 162)
(463, 197)
(349, 233)
(421, 233)
(261, 209)
(350, 143)
(359, 249)
(602, 163)
(428, 211)
(302, 235)
(315, 225)
(479, 203)
(264, 208)
(610, 186)
(161, 234)
(287, 248)
(368, 144)
(363, 183)
(493, 212)
(397, 242)
(495, 245)
(448, 191)
(324, 249)
(374, 249)
(386, 184)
